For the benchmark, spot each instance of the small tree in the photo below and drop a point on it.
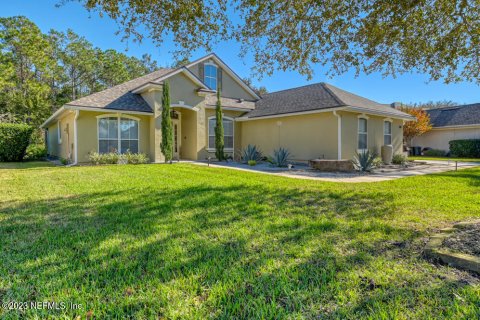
(166, 145)
(412, 129)
(219, 143)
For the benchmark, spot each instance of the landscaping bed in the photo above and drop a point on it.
(465, 240)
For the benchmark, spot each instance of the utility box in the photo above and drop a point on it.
(387, 154)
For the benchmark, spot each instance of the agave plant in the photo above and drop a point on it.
(251, 153)
(364, 161)
(280, 157)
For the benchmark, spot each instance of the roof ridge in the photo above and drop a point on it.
(354, 94)
(456, 106)
(294, 88)
(334, 96)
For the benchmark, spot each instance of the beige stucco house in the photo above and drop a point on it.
(450, 123)
(314, 121)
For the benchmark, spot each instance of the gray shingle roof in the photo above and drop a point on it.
(119, 97)
(455, 116)
(314, 97)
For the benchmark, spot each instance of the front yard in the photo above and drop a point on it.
(185, 241)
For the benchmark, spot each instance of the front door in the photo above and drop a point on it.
(177, 140)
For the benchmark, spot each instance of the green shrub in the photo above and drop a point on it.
(280, 157)
(467, 148)
(364, 161)
(251, 153)
(115, 158)
(434, 153)
(64, 161)
(252, 163)
(377, 162)
(35, 152)
(399, 159)
(14, 140)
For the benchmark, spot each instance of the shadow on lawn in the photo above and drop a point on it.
(223, 251)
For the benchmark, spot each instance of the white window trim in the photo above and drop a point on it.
(233, 134)
(362, 116)
(209, 63)
(59, 132)
(119, 139)
(391, 131)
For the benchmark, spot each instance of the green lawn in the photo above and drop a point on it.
(444, 159)
(185, 241)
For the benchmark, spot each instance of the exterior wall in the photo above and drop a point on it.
(307, 136)
(65, 149)
(230, 87)
(374, 134)
(87, 128)
(439, 138)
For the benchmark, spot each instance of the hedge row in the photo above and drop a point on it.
(14, 140)
(467, 148)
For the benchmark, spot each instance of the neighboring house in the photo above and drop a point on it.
(450, 123)
(314, 121)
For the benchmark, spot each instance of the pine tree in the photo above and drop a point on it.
(167, 133)
(219, 143)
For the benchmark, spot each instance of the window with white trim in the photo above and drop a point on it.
(117, 134)
(59, 132)
(227, 133)
(387, 133)
(210, 76)
(362, 134)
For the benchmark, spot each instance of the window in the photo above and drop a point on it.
(387, 133)
(362, 134)
(116, 134)
(59, 132)
(227, 133)
(211, 76)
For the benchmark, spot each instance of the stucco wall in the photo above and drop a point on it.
(439, 138)
(305, 136)
(66, 147)
(374, 134)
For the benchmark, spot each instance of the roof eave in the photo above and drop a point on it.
(403, 116)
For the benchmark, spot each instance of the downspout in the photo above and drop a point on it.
(339, 133)
(75, 137)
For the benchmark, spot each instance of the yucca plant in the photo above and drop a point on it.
(364, 161)
(251, 153)
(280, 157)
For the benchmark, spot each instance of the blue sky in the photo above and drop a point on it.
(101, 32)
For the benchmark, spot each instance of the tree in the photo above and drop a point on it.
(412, 129)
(219, 143)
(258, 90)
(166, 145)
(439, 37)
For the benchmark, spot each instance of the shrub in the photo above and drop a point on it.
(115, 158)
(252, 163)
(364, 161)
(251, 153)
(35, 152)
(467, 148)
(14, 140)
(399, 159)
(434, 153)
(377, 162)
(280, 157)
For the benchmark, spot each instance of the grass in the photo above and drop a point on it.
(444, 159)
(185, 241)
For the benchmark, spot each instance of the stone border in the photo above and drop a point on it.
(434, 250)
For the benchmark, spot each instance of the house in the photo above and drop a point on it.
(450, 123)
(313, 121)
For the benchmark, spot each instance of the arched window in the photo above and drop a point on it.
(117, 134)
(227, 133)
(210, 76)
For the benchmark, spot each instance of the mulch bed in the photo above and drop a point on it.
(465, 240)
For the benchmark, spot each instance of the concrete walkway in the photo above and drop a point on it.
(304, 172)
